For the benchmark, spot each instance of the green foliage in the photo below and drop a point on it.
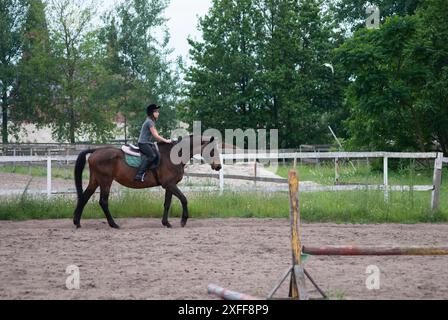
(58, 69)
(260, 64)
(397, 99)
(351, 14)
(12, 17)
(265, 69)
(36, 70)
(138, 62)
(79, 109)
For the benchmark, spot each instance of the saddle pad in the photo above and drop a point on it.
(132, 161)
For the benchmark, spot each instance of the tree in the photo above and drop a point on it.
(430, 50)
(142, 72)
(398, 96)
(302, 94)
(260, 65)
(78, 109)
(34, 92)
(222, 83)
(351, 14)
(12, 17)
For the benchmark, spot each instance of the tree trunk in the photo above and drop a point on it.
(72, 125)
(4, 119)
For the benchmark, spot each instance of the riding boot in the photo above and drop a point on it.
(142, 169)
(153, 164)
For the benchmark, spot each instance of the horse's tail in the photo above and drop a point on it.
(79, 168)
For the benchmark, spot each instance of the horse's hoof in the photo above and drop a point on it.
(114, 225)
(78, 226)
(183, 223)
(167, 224)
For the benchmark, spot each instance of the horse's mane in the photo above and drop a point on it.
(160, 143)
(182, 139)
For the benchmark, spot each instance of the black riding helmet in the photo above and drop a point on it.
(151, 108)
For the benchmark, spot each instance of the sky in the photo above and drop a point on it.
(183, 20)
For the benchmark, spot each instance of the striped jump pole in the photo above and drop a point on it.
(374, 251)
(228, 294)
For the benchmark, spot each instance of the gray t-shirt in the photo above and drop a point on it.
(145, 133)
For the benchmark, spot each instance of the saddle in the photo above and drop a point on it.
(133, 155)
(131, 150)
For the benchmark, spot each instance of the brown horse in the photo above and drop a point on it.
(108, 164)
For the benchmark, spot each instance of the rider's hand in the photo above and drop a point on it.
(169, 141)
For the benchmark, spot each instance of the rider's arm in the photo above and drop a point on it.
(157, 136)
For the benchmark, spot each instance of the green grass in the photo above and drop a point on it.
(36, 171)
(340, 207)
(363, 174)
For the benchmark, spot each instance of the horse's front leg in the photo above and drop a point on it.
(176, 191)
(167, 205)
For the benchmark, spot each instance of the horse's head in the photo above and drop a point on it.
(210, 152)
(187, 147)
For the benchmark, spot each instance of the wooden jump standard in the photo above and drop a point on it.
(297, 271)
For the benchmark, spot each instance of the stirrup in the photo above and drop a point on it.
(140, 178)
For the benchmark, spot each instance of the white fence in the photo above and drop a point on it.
(48, 159)
(435, 187)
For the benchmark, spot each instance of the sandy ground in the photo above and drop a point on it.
(142, 260)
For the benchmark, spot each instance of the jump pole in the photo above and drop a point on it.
(226, 294)
(374, 251)
(297, 281)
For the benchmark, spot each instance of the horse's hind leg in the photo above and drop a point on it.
(166, 205)
(83, 201)
(104, 203)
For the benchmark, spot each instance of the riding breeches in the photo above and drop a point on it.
(148, 150)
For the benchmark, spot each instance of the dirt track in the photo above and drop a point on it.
(144, 261)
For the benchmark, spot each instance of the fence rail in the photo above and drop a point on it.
(236, 177)
(435, 187)
(328, 155)
(36, 158)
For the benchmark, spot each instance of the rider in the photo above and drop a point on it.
(146, 141)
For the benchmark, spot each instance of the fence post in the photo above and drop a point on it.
(386, 179)
(255, 173)
(221, 175)
(437, 181)
(297, 288)
(336, 170)
(49, 176)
